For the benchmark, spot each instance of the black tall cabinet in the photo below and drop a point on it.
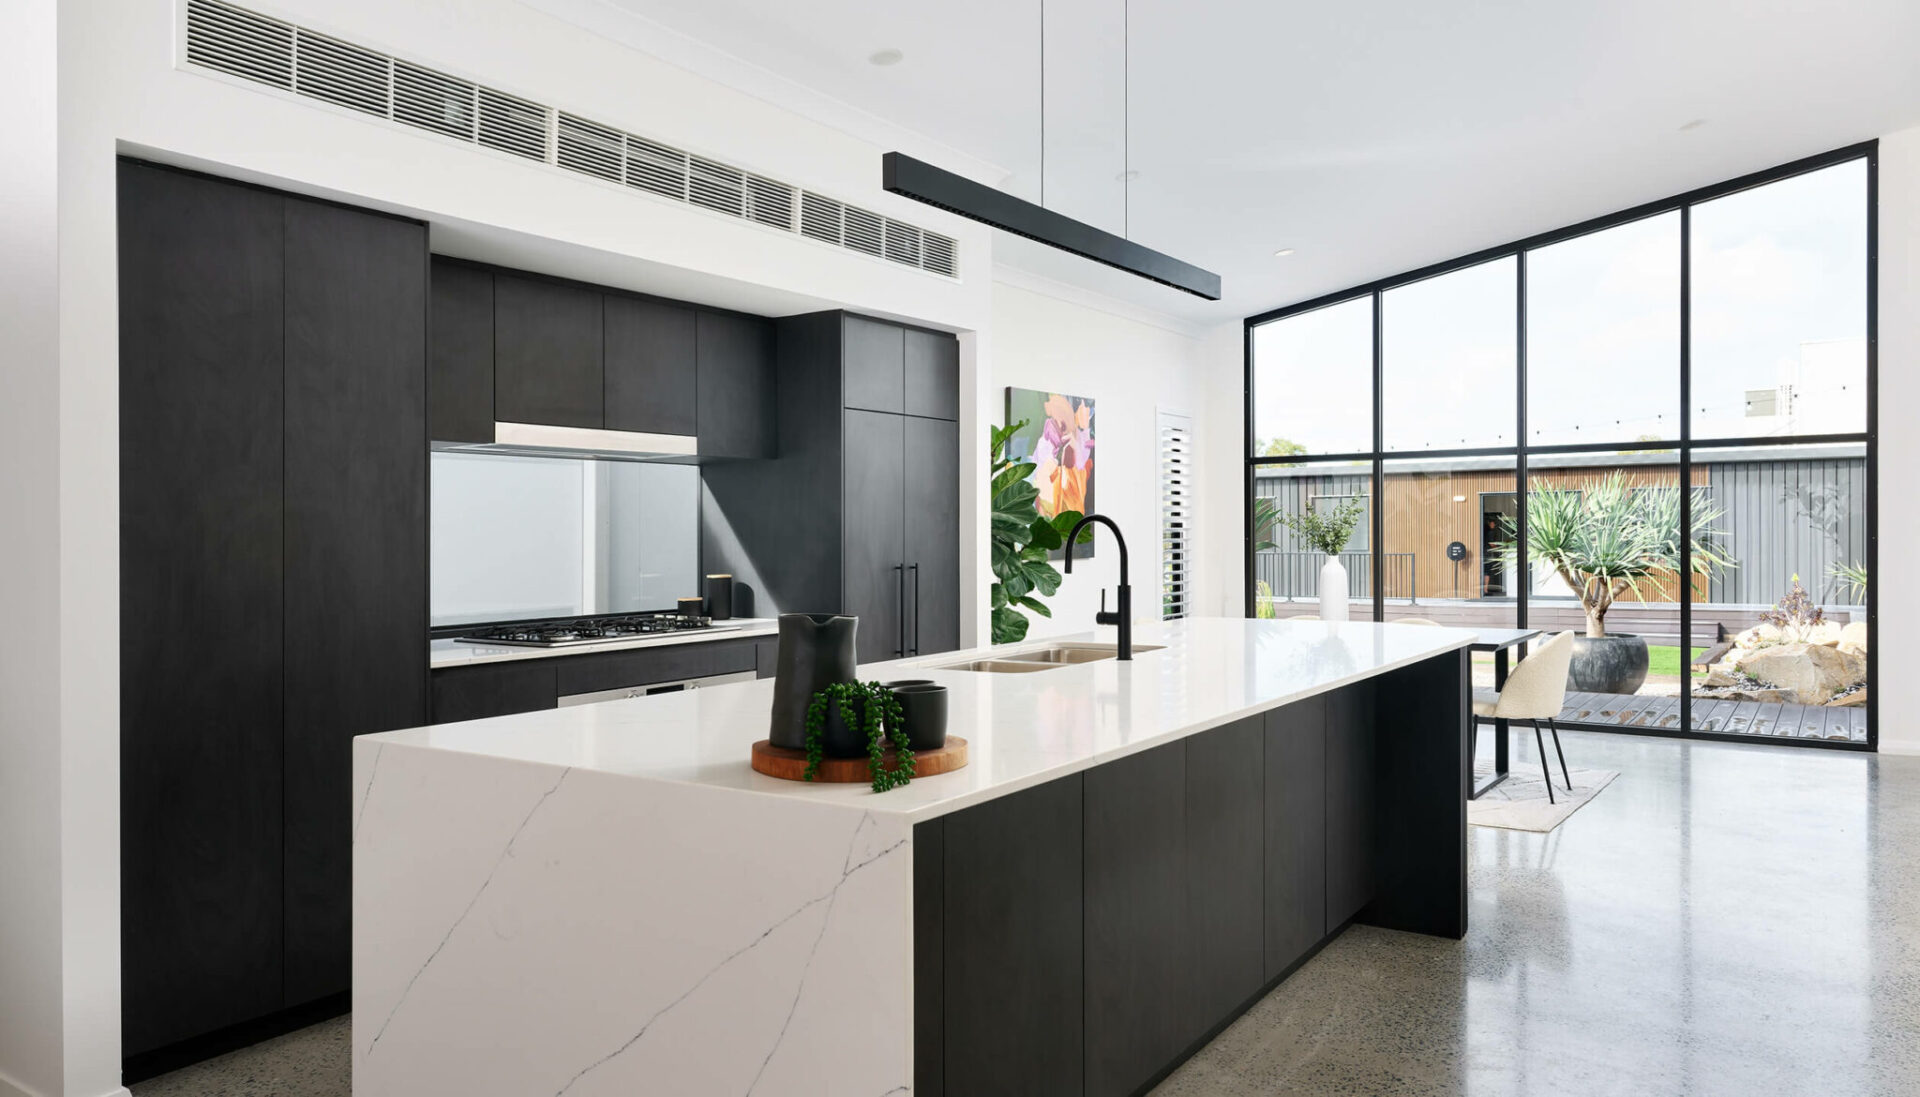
(859, 512)
(273, 581)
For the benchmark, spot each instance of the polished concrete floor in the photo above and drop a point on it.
(1722, 919)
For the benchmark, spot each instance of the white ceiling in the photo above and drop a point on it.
(1372, 138)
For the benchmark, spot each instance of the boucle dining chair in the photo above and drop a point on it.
(1535, 691)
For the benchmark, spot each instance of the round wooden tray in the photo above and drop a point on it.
(791, 764)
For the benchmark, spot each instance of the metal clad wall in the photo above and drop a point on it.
(1774, 525)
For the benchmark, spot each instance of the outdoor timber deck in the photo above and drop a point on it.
(1728, 717)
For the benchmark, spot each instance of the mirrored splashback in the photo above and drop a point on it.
(515, 538)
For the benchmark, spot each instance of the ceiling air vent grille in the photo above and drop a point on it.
(862, 231)
(241, 43)
(264, 50)
(655, 167)
(589, 148)
(819, 217)
(345, 75)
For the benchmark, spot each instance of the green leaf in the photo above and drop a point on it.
(1010, 527)
(1016, 496)
(1043, 534)
(1010, 476)
(998, 599)
(1009, 626)
(1018, 583)
(1036, 606)
(1064, 523)
(1041, 577)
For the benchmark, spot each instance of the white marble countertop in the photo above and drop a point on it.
(1022, 729)
(459, 653)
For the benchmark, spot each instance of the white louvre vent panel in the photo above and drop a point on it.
(863, 231)
(346, 75)
(657, 168)
(1176, 514)
(424, 98)
(716, 186)
(250, 46)
(937, 253)
(820, 217)
(513, 125)
(770, 202)
(272, 52)
(903, 243)
(589, 148)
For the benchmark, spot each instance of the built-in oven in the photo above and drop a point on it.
(652, 688)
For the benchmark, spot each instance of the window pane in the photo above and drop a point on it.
(1449, 353)
(1286, 569)
(1603, 336)
(1788, 515)
(1313, 382)
(1780, 308)
(1432, 507)
(1602, 540)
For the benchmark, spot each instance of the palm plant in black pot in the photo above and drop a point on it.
(1606, 538)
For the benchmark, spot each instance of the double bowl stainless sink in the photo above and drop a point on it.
(1049, 657)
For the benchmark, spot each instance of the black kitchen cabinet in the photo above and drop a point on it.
(1225, 846)
(860, 512)
(651, 380)
(1137, 941)
(875, 365)
(460, 368)
(493, 689)
(876, 553)
(201, 610)
(736, 386)
(356, 547)
(1295, 872)
(930, 456)
(1013, 972)
(273, 508)
(1350, 802)
(932, 371)
(547, 353)
(596, 671)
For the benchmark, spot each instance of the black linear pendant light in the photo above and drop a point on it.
(902, 174)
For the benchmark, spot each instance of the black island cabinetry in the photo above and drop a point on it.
(1085, 936)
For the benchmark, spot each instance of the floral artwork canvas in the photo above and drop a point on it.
(1058, 439)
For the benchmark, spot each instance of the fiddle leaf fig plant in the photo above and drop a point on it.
(1020, 539)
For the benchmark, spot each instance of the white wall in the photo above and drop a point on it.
(31, 1014)
(1899, 533)
(1131, 370)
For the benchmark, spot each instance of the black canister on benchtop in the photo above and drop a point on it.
(720, 597)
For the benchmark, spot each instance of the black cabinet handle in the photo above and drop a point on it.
(915, 568)
(900, 619)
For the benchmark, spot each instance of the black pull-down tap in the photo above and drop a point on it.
(1123, 615)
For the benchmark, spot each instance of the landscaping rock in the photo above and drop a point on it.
(1826, 634)
(1813, 673)
(1856, 699)
(1756, 637)
(1853, 638)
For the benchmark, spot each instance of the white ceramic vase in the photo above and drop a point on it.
(1333, 590)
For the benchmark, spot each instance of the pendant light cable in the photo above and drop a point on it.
(1043, 103)
(1126, 118)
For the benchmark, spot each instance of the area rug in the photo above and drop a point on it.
(1520, 801)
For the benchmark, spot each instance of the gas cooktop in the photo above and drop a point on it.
(595, 630)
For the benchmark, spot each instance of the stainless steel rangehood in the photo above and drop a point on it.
(538, 440)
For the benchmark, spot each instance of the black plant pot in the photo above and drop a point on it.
(816, 651)
(840, 733)
(924, 708)
(1616, 663)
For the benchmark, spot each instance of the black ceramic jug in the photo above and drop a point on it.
(816, 650)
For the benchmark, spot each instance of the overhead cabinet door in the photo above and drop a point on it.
(356, 546)
(735, 406)
(201, 618)
(875, 356)
(932, 374)
(650, 366)
(460, 385)
(547, 353)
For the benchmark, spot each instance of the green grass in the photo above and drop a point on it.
(1666, 661)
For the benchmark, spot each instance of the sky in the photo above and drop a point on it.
(1779, 298)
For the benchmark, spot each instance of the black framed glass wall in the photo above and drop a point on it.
(1690, 382)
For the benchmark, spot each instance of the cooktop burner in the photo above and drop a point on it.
(596, 630)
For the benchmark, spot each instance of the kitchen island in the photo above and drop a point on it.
(608, 900)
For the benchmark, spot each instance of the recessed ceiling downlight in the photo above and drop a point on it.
(1283, 253)
(887, 57)
(1693, 125)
